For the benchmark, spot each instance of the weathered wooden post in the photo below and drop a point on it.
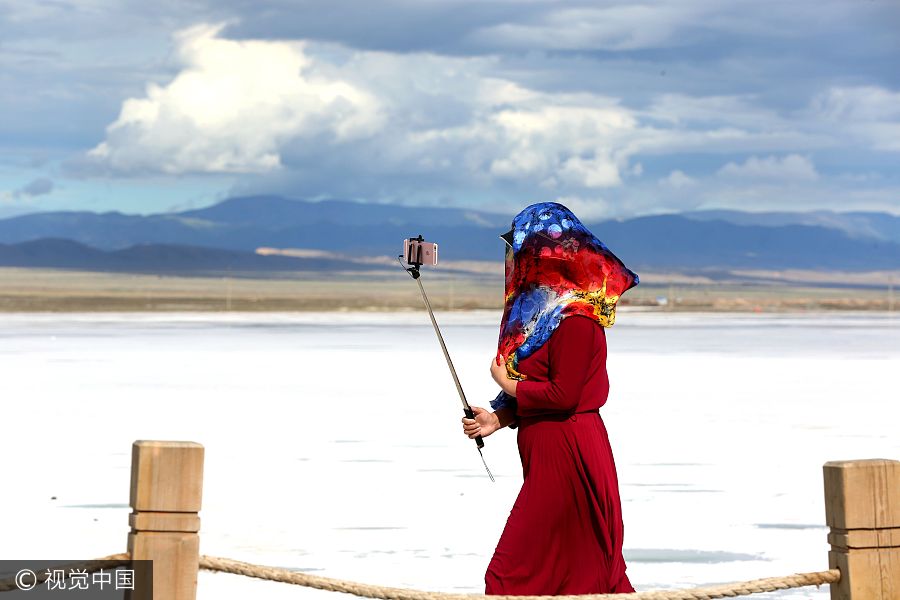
(166, 489)
(862, 508)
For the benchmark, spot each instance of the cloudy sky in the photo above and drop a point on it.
(613, 108)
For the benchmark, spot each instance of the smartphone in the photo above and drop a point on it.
(420, 252)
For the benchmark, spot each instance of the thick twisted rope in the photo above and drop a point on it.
(227, 565)
(91, 566)
(771, 584)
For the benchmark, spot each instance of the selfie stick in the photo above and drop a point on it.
(414, 273)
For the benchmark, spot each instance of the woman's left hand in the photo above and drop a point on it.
(498, 372)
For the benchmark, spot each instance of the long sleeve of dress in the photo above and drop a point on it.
(572, 354)
(504, 400)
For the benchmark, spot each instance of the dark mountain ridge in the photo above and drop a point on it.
(882, 226)
(162, 259)
(687, 242)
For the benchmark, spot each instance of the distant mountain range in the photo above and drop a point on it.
(880, 226)
(227, 235)
(162, 258)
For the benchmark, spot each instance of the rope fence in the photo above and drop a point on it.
(364, 590)
(772, 584)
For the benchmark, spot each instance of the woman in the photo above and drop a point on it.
(564, 533)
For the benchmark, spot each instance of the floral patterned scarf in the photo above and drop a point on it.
(555, 268)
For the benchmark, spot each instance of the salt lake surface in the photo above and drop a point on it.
(333, 442)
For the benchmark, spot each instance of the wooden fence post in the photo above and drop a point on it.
(862, 508)
(166, 489)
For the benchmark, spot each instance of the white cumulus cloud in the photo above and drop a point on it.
(870, 114)
(315, 119)
(261, 106)
(792, 167)
(231, 107)
(624, 27)
(677, 179)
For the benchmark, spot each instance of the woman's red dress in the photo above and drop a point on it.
(564, 532)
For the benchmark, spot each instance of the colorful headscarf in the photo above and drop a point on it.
(555, 268)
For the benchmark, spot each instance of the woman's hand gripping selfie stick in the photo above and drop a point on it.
(414, 254)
